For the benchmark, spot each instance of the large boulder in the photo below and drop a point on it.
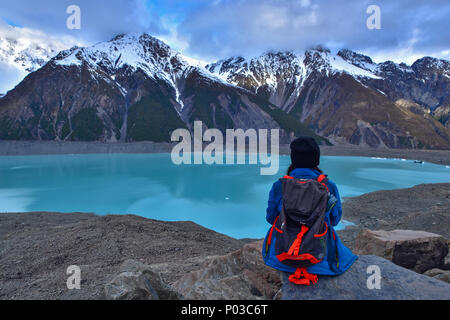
(239, 275)
(416, 250)
(396, 283)
(137, 281)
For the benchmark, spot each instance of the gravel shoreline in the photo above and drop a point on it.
(13, 148)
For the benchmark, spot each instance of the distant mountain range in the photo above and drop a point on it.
(136, 88)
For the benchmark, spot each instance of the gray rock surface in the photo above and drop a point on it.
(447, 261)
(137, 281)
(443, 275)
(416, 250)
(239, 275)
(396, 283)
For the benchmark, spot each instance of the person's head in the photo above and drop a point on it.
(305, 153)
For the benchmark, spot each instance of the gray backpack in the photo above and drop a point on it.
(301, 226)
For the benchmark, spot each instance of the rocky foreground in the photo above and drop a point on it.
(423, 207)
(130, 257)
(36, 249)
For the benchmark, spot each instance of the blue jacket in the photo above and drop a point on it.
(338, 258)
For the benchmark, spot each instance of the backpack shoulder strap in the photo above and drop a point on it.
(322, 178)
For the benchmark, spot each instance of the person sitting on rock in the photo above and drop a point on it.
(314, 248)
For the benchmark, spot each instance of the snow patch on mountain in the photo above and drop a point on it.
(24, 50)
(340, 65)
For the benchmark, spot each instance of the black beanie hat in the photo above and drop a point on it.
(305, 153)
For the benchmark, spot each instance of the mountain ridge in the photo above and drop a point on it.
(95, 93)
(135, 87)
(296, 83)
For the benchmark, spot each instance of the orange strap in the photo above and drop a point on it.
(304, 256)
(321, 178)
(301, 276)
(322, 234)
(295, 247)
(269, 240)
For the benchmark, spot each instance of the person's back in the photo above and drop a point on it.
(305, 156)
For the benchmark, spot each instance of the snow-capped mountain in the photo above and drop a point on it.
(135, 87)
(131, 88)
(294, 82)
(134, 52)
(24, 55)
(282, 75)
(23, 51)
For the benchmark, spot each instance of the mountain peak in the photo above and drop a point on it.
(319, 48)
(354, 57)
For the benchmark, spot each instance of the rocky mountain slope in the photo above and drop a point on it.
(136, 88)
(350, 99)
(132, 88)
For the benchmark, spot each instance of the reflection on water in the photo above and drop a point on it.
(227, 198)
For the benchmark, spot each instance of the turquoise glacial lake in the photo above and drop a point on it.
(230, 199)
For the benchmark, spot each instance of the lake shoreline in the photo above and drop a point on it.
(38, 246)
(19, 148)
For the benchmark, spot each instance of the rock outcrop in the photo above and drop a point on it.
(416, 250)
(239, 275)
(443, 275)
(396, 283)
(137, 281)
(422, 207)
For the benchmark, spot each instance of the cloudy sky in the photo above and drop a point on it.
(215, 29)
